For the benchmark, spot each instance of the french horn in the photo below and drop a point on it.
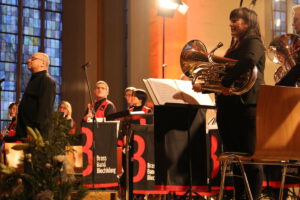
(284, 50)
(208, 70)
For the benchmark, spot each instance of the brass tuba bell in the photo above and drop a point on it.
(208, 70)
(284, 50)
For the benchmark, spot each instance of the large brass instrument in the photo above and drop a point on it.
(284, 50)
(208, 70)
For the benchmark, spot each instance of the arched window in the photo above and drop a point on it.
(296, 2)
(279, 17)
(27, 26)
(282, 10)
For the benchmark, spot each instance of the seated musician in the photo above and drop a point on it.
(9, 134)
(136, 103)
(128, 95)
(66, 108)
(139, 99)
(102, 106)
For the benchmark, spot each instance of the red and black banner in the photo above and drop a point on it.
(214, 150)
(161, 154)
(99, 154)
(143, 160)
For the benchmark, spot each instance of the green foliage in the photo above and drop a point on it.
(43, 166)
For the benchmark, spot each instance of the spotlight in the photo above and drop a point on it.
(169, 4)
(167, 8)
(183, 8)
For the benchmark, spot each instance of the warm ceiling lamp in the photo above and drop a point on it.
(167, 8)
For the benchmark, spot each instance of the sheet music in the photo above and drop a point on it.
(190, 96)
(175, 91)
(165, 91)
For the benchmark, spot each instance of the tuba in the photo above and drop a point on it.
(284, 50)
(208, 70)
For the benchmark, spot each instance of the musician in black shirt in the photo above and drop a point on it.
(236, 114)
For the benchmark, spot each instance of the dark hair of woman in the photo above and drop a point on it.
(11, 105)
(141, 95)
(250, 18)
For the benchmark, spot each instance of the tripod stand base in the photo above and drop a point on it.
(190, 194)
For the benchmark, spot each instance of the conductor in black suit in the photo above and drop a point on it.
(36, 106)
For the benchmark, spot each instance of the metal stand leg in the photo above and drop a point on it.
(245, 179)
(223, 176)
(129, 194)
(282, 182)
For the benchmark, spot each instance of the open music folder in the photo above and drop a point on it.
(164, 91)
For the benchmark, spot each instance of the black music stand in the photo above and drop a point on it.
(84, 67)
(127, 117)
(184, 122)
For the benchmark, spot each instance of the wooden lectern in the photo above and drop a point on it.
(277, 133)
(278, 123)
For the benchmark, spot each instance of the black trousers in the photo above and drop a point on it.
(236, 124)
